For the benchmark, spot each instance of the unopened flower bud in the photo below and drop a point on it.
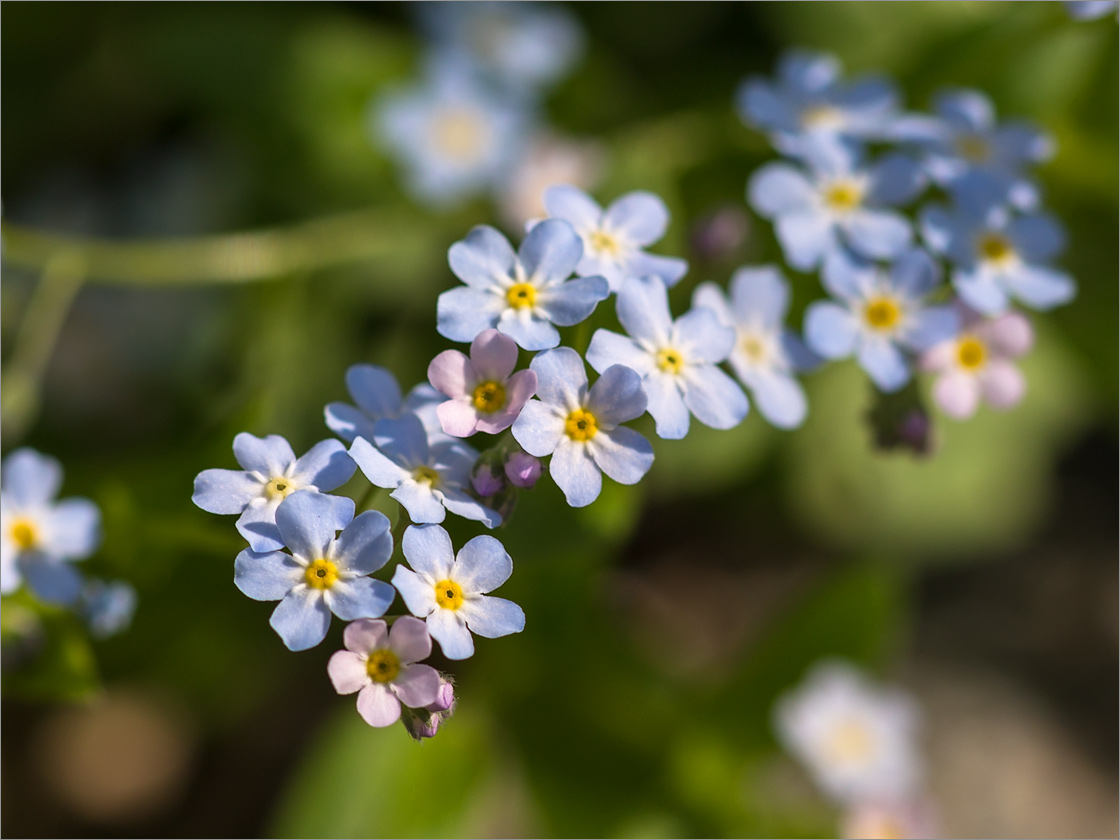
(523, 470)
(445, 699)
(425, 723)
(486, 481)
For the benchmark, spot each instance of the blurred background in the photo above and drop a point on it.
(664, 620)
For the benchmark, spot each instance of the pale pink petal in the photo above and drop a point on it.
(1009, 335)
(939, 358)
(452, 373)
(347, 671)
(409, 639)
(458, 418)
(1003, 384)
(365, 634)
(519, 388)
(378, 706)
(493, 355)
(957, 394)
(417, 685)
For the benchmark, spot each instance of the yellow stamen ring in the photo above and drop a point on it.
(383, 666)
(322, 574)
(581, 425)
(449, 594)
(489, 397)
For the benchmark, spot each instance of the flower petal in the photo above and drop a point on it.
(622, 454)
(780, 399)
(365, 545)
(895, 179)
(418, 594)
(617, 397)
(879, 234)
(462, 313)
(482, 565)
(375, 390)
(561, 378)
(375, 466)
(267, 576)
(360, 597)
(452, 373)
(347, 671)
(428, 550)
(703, 339)
(830, 330)
(573, 205)
(778, 189)
(574, 472)
(483, 258)
(417, 685)
(711, 296)
(301, 619)
(223, 491)
(347, 422)
(378, 706)
(493, 357)
(641, 217)
(538, 428)
(1003, 384)
(420, 501)
(403, 439)
(326, 465)
(73, 529)
(31, 479)
(643, 310)
(257, 524)
(609, 348)
(806, 236)
(308, 522)
(957, 393)
(409, 639)
(528, 330)
(460, 504)
(669, 269)
(759, 296)
(714, 397)
(493, 618)
(569, 303)
(915, 273)
(1040, 287)
(53, 581)
(550, 251)
(666, 405)
(931, 326)
(270, 456)
(1009, 334)
(365, 635)
(884, 363)
(447, 628)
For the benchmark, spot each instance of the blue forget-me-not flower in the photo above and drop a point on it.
(376, 394)
(580, 428)
(677, 360)
(108, 606)
(521, 294)
(323, 574)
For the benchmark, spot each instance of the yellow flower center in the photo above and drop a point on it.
(993, 247)
(972, 147)
(460, 134)
(670, 360)
(604, 243)
(971, 352)
(849, 743)
(753, 348)
(521, 295)
(426, 475)
(581, 425)
(489, 397)
(821, 116)
(24, 534)
(449, 595)
(279, 488)
(882, 313)
(843, 196)
(383, 666)
(321, 574)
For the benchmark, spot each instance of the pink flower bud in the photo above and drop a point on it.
(523, 470)
(485, 481)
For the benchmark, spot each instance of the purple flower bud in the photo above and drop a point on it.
(445, 699)
(523, 470)
(425, 723)
(485, 481)
(422, 725)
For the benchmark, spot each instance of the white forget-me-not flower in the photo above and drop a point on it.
(323, 574)
(837, 200)
(376, 394)
(614, 239)
(428, 480)
(677, 360)
(271, 473)
(521, 294)
(879, 315)
(581, 428)
(450, 591)
(39, 537)
(766, 353)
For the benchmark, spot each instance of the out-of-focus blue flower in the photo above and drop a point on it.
(451, 591)
(581, 428)
(454, 136)
(613, 239)
(428, 480)
(677, 360)
(766, 354)
(809, 97)
(964, 139)
(521, 294)
(377, 394)
(271, 473)
(108, 606)
(880, 314)
(39, 537)
(837, 200)
(322, 574)
(520, 46)
(998, 255)
(1090, 9)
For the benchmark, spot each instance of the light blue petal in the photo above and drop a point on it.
(551, 251)
(622, 454)
(884, 363)
(53, 581)
(1037, 238)
(778, 189)
(428, 550)
(402, 439)
(641, 217)
(1089, 9)
(669, 269)
(714, 397)
(830, 330)
(270, 456)
(609, 348)
(326, 465)
(492, 618)
(703, 339)
(800, 357)
(346, 421)
(710, 295)
(29, 478)
(365, 545)
(462, 313)
(643, 309)
(454, 461)
(806, 236)
(530, 332)
(482, 258)
(268, 576)
(109, 607)
(808, 72)
(538, 428)
(301, 619)
(10, 576)
(981, 291)
(420, 502)
(308, 522)
(937, 227)
(762, 106)
(915, 274)
(416, 592)
(895, 179)
(569, 303)
(460, 504)
(878, 234)
(1017, 143)
(666, 406)
(257, 524)
(573, 205)
(375, 466)
(74, 529)
(375, 390)
(871, 96)
(780, 399)
(966, 109)
(931, 326)
(360, 597)
(1039, 287)
(482, 565)
(617, 396)
(846, 275)
(561, 378)
(575, 473)
(759, 296)
(449, 629)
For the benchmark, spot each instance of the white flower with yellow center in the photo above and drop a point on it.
(40, 537)
(857, 740)
(323, 574)
(449, 591)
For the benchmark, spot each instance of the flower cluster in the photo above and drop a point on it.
(841, 203)
(41, 539)
(859, 743)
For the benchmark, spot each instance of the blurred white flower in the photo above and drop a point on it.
(548, 160)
